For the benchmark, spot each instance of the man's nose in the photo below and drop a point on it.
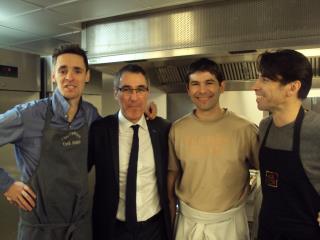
(203, 88)
(134, 94)
(69, 75)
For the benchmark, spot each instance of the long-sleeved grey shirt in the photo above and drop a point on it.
(282, 138)
(23, 125)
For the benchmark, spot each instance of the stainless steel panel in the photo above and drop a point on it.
(240, 71)
(168, 40)
(205, 28)
(28, 71)
(9, 99)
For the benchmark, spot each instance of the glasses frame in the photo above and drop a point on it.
(140, 90)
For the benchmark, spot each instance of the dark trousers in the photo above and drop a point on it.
(151, 229)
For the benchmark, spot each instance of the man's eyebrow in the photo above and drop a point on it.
(65, 67)
(78, 68)
(62, 67)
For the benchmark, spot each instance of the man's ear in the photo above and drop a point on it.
(88, 76)
(294, 88)
(187, 88)
(115, 94)
(297, 85)
(53, 77)
(222, 86)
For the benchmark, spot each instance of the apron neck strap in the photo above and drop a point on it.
(297, 129)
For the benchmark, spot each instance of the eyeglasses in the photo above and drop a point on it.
(129, 90)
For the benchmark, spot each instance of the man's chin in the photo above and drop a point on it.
(69, 96)
(134, 117)
(205, 107)
(262, 108)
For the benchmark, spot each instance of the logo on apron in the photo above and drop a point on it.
(71, 139)
(272, 179)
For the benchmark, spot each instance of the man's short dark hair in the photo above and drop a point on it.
(70, 48)
(286, 66)
(205, 65)
(132, 68)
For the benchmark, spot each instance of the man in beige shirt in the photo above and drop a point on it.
(210, 152)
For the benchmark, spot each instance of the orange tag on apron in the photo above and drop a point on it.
(272, 179)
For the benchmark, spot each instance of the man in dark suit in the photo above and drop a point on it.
(130, 155)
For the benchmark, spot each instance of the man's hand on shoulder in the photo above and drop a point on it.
(20, 195)
(151, 111)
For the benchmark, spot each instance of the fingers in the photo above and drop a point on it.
(151, 111)
(23, 203)
(21, 196)
(29, 191)
(29, 198)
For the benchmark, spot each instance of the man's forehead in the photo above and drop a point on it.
(131, 78)
(70, 60)
(202, 75)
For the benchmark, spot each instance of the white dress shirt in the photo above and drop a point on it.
(147, 195)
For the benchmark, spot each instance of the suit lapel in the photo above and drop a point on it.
(154, 135)
(114, 139)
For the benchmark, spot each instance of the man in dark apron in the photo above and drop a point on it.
(289, 150)
(50, 137)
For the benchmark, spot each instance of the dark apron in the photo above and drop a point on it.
(290, 203)
(61, 185)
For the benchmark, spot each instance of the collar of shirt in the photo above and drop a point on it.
(125, 124)
(61, 106)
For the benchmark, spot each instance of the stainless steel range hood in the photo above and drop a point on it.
(231, 32)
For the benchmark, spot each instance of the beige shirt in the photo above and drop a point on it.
(213, 158)
(147, 191)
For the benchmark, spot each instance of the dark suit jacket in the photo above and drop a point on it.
(103, 153)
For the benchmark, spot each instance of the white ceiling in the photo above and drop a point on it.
(37, 26)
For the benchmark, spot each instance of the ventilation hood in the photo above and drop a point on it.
(230, 32)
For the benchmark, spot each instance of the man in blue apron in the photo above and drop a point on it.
(50, 138)
(289, 148)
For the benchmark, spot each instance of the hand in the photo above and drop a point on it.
(151, 111)
(318, 218)
(20, 195)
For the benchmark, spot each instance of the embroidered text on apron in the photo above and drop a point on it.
(61, 185)
(290, 203)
